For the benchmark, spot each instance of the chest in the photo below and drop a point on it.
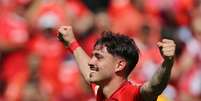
(125, 93)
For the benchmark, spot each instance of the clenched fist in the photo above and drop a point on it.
(167, 48)
(65, 34)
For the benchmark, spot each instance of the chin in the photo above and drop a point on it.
(92, 80)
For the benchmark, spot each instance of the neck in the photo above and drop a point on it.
(112, 86)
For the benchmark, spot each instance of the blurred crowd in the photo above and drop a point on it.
(35, 66)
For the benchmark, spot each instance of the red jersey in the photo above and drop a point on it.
(126, 92)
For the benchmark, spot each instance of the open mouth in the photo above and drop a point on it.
(94, 68)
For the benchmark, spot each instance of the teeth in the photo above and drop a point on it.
(94, 68)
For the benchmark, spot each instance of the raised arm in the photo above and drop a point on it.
(66, 36)
(151, 89)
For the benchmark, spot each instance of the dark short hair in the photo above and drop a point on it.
(122, 46)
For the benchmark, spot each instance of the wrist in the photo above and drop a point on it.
(73, 45)
(71, 41)
(169, 58)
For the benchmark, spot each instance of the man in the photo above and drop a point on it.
(114, 57)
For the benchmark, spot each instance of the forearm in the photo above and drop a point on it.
(160, 79)
(66, 36)
(82, 59)
(154, 87)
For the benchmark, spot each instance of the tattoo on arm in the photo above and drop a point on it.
(158, 82)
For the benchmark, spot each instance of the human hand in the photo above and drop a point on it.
(167, 48)
(66, 35)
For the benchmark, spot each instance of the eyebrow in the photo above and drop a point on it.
(96, 53)
(99, 48)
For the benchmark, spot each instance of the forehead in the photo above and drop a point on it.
(100, 49)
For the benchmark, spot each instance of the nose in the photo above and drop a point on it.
(92, 65)
(91, 61)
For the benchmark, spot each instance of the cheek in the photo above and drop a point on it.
(107, 67)
(105, 73)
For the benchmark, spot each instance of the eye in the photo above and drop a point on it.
(98, 56)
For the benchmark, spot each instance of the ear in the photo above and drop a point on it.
(120, 65)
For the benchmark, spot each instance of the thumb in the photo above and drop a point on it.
(60, 37)
(159, 44)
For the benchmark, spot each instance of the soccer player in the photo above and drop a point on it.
(113, 58)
